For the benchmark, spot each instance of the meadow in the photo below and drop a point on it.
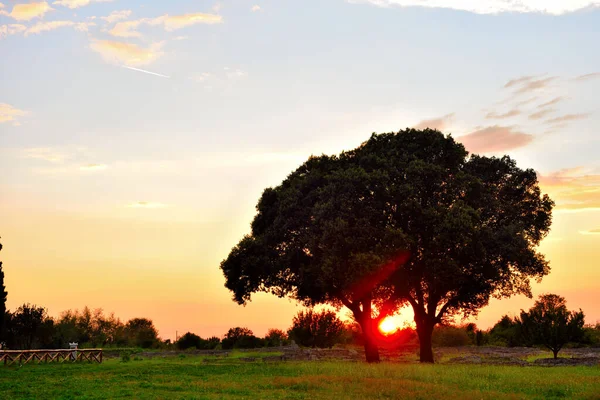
(254, 376)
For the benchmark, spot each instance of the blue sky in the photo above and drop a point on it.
(236, 94)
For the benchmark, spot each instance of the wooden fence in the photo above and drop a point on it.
(9, 357)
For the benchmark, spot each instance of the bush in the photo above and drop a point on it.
(188, 341)
(240, 338)
(313, 329)
(450, 336)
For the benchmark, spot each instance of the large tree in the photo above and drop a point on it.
(405, 217)
(549, 323)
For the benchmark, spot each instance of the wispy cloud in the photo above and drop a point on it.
(46, 153)
(93, 167)
(525, 102)
(553, 7)
(552, 102)
(72, 4)
(9, 113)
(586, 77)
(169, 23)
(255, 8)
(146, 204)
(27, 11)
(117, 16)
(591, 232)
(541, 114)
(568, 118)
(235, 73)
(495, 139)
(11, 29)
(532, 85)
(509, 114)
(573, 189)
(43, 26)
(127, 53)
(441, 123)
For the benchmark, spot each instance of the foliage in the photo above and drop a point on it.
(404, 217)
(450, 336)
(240, 338)
(29, 327)
(507, 332)
(549, 323)
(591, 335)
(276, 337)
(312, 329)
(190, 340)
(141, 332)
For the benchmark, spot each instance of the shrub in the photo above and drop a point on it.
(240, 338)
(312, 329)
(189, 340)
(276, 337)
(450, 336)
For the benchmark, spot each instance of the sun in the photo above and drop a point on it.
(389, 325)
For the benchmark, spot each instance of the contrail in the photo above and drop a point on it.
(146, 72)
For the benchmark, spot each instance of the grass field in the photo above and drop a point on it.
(197, 377)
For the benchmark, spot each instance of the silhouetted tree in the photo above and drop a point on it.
(339, 230)
(275, 337)
(507, 332)
(141, 332)
(29, 327)
(242, 338)
(3, 297)
(188, 341)
(549, 323)
(313, 329)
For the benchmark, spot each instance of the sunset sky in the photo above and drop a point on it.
(137, 136)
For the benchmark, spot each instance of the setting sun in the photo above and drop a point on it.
(389, 325)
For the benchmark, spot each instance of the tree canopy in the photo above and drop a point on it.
(405, 217)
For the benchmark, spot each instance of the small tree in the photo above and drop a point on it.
(188, 341)
(3, 296)
(549, 323)
(242, 338)
(141, 332)
(313, 329)
(275, 337)
(507, 332)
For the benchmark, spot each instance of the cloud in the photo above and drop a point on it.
(45, 153)
(9, 113)
(72, 4)
(441, 123)
(51, 25)
(525, 102)
(203, 77)
(588, 76)
(551, 102)
(235, 73)
(573, 189)
(117, 16)
(11, 29)
(146, 204)
(541, 114)
(169, 23)
(531, 85)
(568, 117)
(255, 8)
(127, 53)
(591, 232)
(28, 11)
(553, 7)
(518, 81)
(495, 139)
(511, 113)
(93, 167)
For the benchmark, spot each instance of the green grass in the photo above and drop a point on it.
(197, 377)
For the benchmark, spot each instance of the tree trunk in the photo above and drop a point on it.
(371, 347)
(425, 331)
(555, 351)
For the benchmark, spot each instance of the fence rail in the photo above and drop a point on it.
(9, 357)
